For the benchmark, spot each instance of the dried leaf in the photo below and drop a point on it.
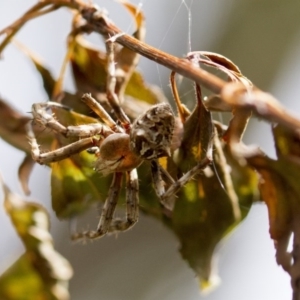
(220, 60)
(24, 172)
(136, 13)
(221, 63)
(12, 127)
(262, 104)
(204, 211)
(280, 190)
(276, 192)
(48, 80)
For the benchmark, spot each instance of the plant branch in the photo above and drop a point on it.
(35, 11)
(184, 67)
(265, 106)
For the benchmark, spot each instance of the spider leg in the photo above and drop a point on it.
(107, 211)
(112, 96)
(166, 195)
(132, 204)
(58, 154)
(101, 112)
(39, 112)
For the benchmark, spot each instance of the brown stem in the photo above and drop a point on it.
(184, 67)
(35, 11)
(104, 26)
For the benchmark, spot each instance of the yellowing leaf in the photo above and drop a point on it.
(41, 272)
(75, 187)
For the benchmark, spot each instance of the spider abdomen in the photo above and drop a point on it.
(151, 134)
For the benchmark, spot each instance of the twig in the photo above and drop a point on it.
(182, 66)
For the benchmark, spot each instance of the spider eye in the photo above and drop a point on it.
(151, 134)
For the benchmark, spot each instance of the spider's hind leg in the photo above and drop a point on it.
(167, 196)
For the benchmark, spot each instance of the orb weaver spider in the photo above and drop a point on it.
(120, 147)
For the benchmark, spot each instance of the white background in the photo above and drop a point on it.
(262, 37)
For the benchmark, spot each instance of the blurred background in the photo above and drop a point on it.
(262, 38)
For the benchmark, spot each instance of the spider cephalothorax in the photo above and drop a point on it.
(150, 137)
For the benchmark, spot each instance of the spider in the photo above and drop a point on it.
(120, 147)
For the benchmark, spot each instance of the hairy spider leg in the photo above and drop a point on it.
(58, 154)
(132, 204)
(112, 96)
(39, 112)
(107, 223)
(164, 195)
(107, 212)
(101, 112)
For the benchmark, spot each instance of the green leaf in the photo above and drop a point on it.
(41, 272)
(74, 187)
(203, 215)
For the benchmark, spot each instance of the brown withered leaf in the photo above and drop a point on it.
(48, 80)
(276, 191)
(12, 130)
(280, 191)
(221, 63)
(41, 272)
(12, 126)
(24, 172)
(262, 104)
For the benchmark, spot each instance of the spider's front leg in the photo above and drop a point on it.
(58, 154)
(40, 115)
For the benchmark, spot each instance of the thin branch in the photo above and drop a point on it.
(101, 24)
(35, 11)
